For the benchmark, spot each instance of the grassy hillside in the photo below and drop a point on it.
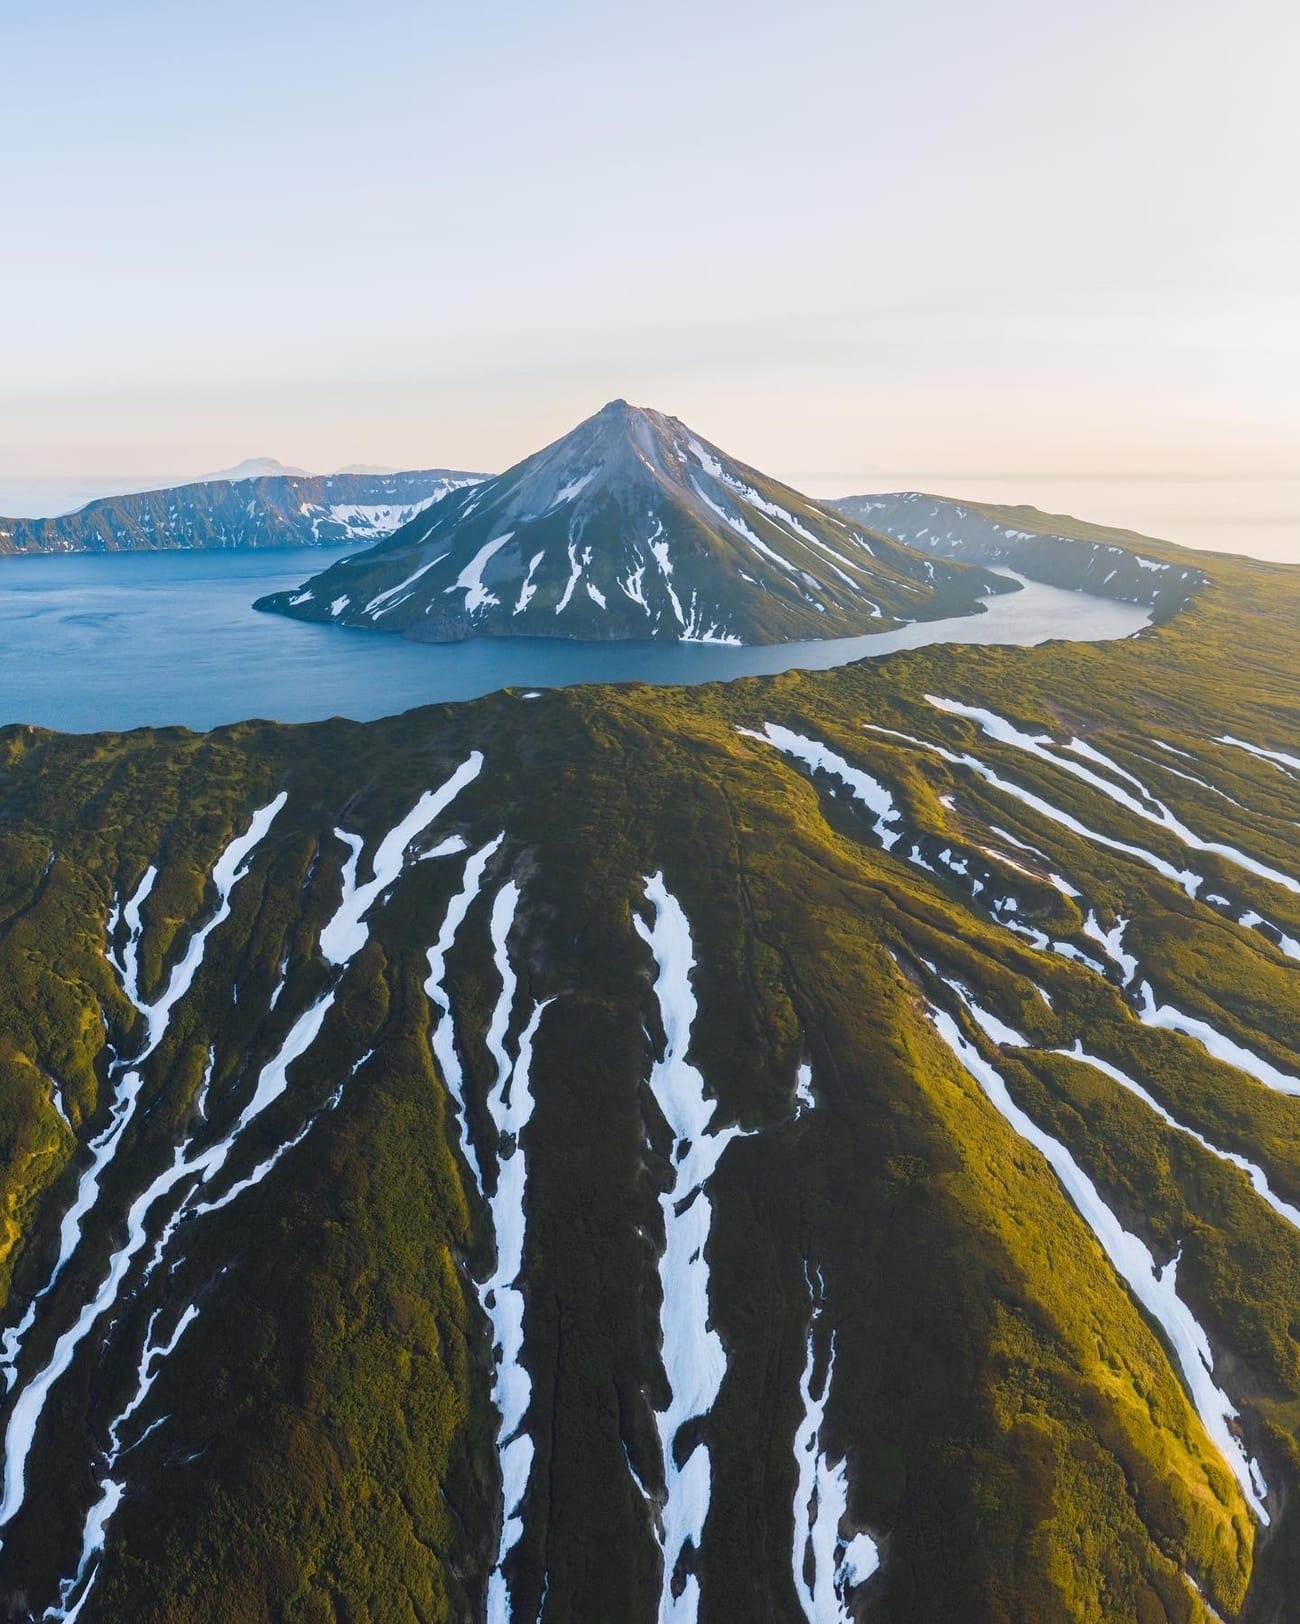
(1019, 1437)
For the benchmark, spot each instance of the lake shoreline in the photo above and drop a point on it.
(94, 642)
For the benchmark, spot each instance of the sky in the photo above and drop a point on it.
(996, 238)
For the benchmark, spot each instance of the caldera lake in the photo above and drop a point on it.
(109, 641)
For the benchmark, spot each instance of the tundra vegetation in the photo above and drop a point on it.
(838, 954)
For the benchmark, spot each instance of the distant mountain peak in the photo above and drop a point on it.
(255, 468)
(633, 526)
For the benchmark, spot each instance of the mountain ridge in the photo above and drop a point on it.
(1053, 548)
(274, 510)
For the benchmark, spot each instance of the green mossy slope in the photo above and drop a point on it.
(1018, 1438)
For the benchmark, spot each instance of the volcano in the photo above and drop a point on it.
(632, 526)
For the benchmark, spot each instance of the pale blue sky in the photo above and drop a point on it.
(840, 239)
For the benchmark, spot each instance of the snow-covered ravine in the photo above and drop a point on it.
(889, 828)
(1153, 1287)
(126, 1076)
(1285, 763)
(346, 933)
(229, 870)
(1258, 1178)
(170, 1199)
(1288, 946)
(826, 1564)
(509, 1109)
(1153, 1013)
(510, 1106)
(112, 1490)
(1071, 758)
(1184, 878)
(1001, 906)
(819, 757)
(694, 1360)
(435, 986)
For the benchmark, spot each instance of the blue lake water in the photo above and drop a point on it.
(123, 640)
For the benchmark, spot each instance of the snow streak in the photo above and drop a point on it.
(95, 1532)
(435, 986)
(826, 1565)
(528, 588)
(1144, 805)
(1258, 1178)
(820, 757)
(1153, 1287)
(470, 579)
(693, 1357)
(509, 1108)
(1190, 883)
(193, 1166)
(229, 869)
(1215, 1043)
(1284, 763)
(345, 935)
